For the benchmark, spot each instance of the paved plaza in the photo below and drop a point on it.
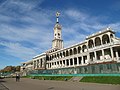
(32, 84)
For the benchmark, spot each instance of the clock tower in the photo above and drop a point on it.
(57, 42)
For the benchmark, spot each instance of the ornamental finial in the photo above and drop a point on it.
(57, 14)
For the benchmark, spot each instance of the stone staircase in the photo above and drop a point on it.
(75, 79)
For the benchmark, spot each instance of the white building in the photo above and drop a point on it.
(100, 47)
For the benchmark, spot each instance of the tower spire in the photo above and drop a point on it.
(57, 42)
(57, 17)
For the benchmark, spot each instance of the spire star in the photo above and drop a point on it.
(57, 14)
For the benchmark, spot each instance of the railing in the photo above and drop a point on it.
(119, 58)
(101, 61)
(105, 45)
(116, 42)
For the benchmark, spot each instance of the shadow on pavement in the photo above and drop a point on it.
(2, 86)
(2, 80)
(50, 88)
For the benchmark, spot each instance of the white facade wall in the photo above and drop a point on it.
(101, 47)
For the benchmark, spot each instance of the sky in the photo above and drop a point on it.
(26, 26)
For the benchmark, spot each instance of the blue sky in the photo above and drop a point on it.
(26, 26)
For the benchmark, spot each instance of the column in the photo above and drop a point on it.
(62, 64)
(56, 64)
(47, 65)
(109, 38)
(33, 64)
(101, 40)
(82, 62)
(103, 54)
(36, 64)
(111, 50)
(94, 42)
(65, 63)
(59, 64)
(72, 51)
(77, 61)
(88, 58)
(73, 61)
(69, 62)
(95, 55)
(117, 56)
(39, 63)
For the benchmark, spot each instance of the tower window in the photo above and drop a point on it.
(58, 34)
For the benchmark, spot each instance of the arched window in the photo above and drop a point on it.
(71, 52)
(58, 55)
(59, 35)
(64, 54)
(84, 48)
(47, 57)
(79, 49)
(50, 58)
(55, 56)
(75, 51)
(111, 37)
(97, 41)
(67, 53)
(105, 39)
(90, 44)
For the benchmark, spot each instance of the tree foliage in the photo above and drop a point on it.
(11, 69)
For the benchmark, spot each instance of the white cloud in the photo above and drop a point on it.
(17, 50)
(34, 31)
(115, 26)
(75, 14)
(37, 28)
(39, 37)
(88, 23)
(83, 25)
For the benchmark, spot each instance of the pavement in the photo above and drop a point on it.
(33, 84)
(2, 87)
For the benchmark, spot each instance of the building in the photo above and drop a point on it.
(99, 48)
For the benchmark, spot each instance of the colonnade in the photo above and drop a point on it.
(39, 63)
(93, 49)
(68, 62)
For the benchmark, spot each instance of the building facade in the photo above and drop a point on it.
(98, 48)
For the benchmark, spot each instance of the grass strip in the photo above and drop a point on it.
(102, 79)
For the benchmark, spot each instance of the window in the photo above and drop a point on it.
(58, 34)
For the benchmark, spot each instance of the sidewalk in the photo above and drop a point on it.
(2, 87)
(32, 84)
